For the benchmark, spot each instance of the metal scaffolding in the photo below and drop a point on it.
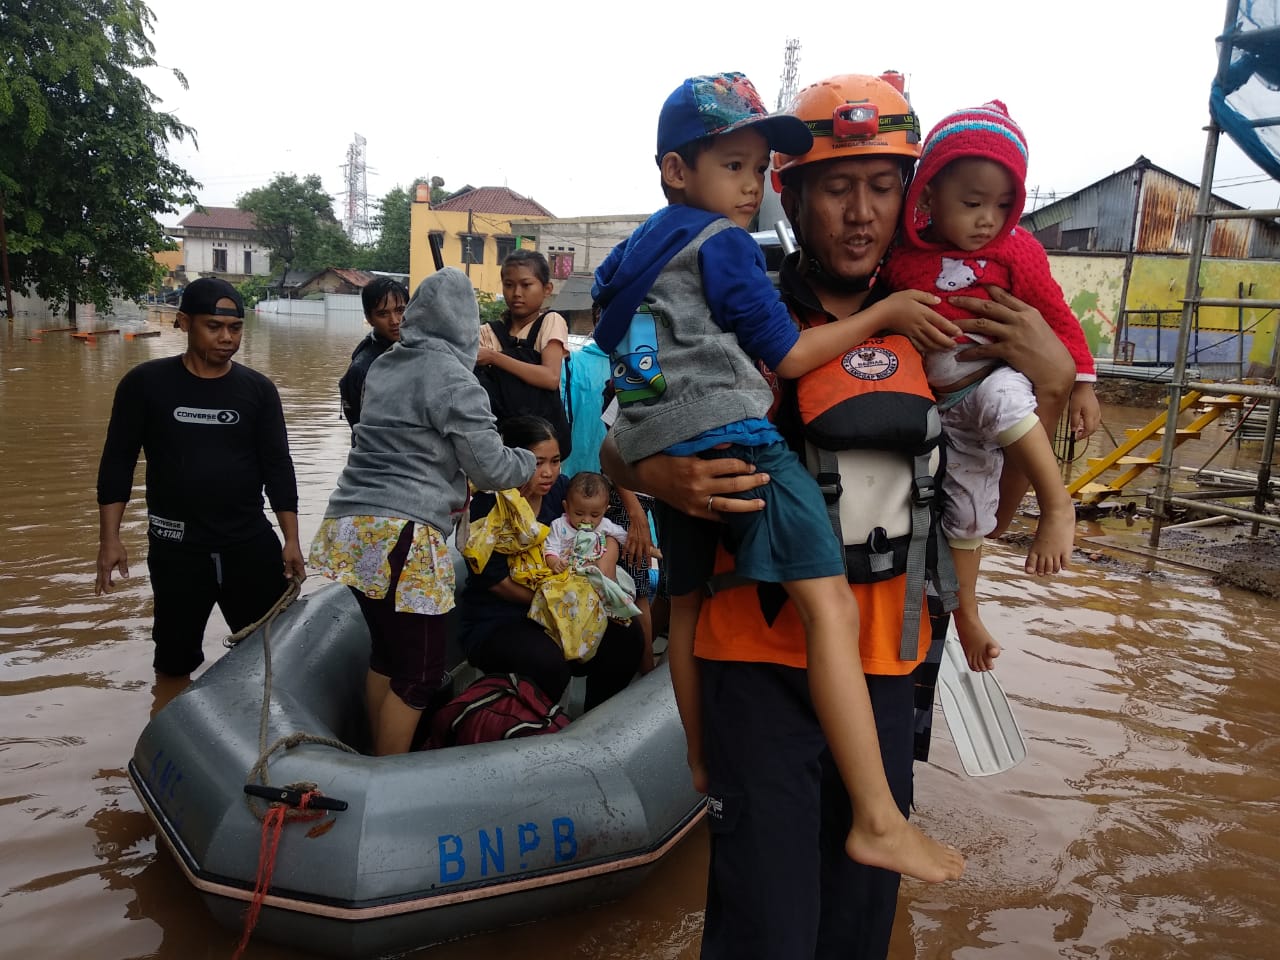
(1245, 36)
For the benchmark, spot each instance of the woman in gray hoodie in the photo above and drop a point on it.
(425, 428)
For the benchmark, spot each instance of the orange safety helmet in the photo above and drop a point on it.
(853, 116)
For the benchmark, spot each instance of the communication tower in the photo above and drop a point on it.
(355, 174)
(791, 61)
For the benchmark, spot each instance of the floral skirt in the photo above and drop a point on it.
(355, 551)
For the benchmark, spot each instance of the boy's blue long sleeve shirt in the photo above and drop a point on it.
(739, 296)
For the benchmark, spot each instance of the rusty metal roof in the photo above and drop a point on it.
(1146, 209)
(357, 278)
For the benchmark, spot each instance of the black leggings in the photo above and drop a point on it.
(523, 647)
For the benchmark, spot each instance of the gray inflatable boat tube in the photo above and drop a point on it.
(433, 845)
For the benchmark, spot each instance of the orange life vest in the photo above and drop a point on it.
(873, 442)
(732, 626)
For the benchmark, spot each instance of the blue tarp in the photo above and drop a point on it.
(1247, 92)
(588, 370)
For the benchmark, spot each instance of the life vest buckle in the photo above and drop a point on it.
(830, 485)
(924, 489)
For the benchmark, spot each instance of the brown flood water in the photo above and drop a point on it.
(1142, 826)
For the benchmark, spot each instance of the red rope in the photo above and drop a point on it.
(272, 829)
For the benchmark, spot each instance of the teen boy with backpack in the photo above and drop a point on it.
(383, 301)
(780, 884)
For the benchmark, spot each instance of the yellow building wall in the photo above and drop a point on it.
(1092, 285)
(1159, 283)
(170, 260)
(486, 276)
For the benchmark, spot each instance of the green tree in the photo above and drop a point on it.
(253, 289)
(296, 221)
(391, 252)
(84, 169)
(438, 193)
(491, 308)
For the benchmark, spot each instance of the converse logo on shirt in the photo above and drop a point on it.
(200, 415)
(163, 529)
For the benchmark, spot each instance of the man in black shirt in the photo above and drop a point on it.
(383, 300)
(214, 436)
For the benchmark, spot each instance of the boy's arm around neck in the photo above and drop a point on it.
(908, 312)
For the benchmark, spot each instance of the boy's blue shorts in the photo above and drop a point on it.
(791, 539)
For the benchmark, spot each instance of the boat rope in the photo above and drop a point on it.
(272, 828)
(290, 594)
(295, 803)
(258, 772)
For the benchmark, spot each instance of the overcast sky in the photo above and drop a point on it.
(559, 101)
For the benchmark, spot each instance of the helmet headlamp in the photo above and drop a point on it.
(859, 121)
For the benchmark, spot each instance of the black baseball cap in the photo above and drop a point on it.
(201, 297)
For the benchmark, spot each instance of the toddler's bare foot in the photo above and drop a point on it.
(904, 849)
(980, 648)
(1055, 535)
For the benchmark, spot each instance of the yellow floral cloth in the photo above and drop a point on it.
(565, 604)
(510, 528)
(356, 551)
(568, 607)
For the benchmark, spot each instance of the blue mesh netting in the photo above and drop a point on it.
(1249, 90)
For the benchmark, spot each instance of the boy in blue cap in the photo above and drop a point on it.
(687, 311)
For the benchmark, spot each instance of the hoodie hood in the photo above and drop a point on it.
(443, 314)
(425, 425)
(627, 274)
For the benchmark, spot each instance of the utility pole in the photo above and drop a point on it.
(468, 248)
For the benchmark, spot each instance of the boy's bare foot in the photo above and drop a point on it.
(980, 648)
(1055, 536)
(904, 849)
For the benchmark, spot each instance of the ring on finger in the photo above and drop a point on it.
(709, 499)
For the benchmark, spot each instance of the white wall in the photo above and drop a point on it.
(198, 255)
(34, 309)
(590, 238)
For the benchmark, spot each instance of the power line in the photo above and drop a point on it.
(1241, 181)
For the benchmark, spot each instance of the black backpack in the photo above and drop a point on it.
(509, 396)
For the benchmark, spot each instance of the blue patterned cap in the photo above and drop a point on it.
(721, 103)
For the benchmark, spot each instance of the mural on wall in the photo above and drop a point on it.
(1240, 338)
(1091, 286)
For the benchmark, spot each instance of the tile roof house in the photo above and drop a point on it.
(473, 227)
(222, 242)
(499, 200)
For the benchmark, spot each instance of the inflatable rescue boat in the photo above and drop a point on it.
(402, 852)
